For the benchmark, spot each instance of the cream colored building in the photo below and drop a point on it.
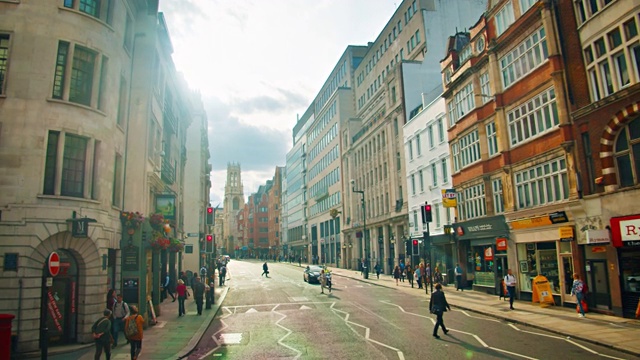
(87, 132)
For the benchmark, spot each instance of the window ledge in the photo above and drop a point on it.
(66, 102)
(11, 1)
(98, 20)
(71, 198)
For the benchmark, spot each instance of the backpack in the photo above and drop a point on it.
(132, 327)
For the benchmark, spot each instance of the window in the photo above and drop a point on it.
(4, 60)
(430, 136)
(465, 54)
(533, 118)
(462, 103)
(418, 145)
(440, 129)
(492, 138)
(471, 202)
(73, 169)
(589, 159)
(605, 70)
(526, 56)
(415, 220)
(100, 9)
(87, 69)
(627, 154)
(445, 170)
(128, 34)
(469, 150)
(526, 5)
(410, 150)
(123, 100)
(542, 184)
(622, 71)
(485, 90)
(413, 184)
(434, 175)
(421, 179)
(504, 18)
(116, 196)
(498, 198)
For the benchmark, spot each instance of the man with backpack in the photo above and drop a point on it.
(120, 312)
(133, 331)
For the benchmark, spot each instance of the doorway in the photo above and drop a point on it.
(61, 301)
(598, 285)
(501, 271)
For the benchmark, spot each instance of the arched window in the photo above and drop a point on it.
(627, 154)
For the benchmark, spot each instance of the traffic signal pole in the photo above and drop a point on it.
(426, 219)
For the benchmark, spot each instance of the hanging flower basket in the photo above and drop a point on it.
(131, 221)
(175, 245)
(157, 221)
(160, 243)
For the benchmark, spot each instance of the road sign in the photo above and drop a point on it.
(54, 263)
(193, 234)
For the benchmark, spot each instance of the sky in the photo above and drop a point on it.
(258, 64)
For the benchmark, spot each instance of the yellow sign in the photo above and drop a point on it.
(449, 199)
(566, 233)
(530, 223)
(542, 291)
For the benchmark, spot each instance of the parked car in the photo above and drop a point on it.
(312, 273)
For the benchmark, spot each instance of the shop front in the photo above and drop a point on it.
(625, 236)
(482, 250)
(443, 256)
(545, 245)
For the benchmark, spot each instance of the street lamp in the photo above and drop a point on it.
(364, 228)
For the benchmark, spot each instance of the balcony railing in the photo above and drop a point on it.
(170, 120)
(168, 172)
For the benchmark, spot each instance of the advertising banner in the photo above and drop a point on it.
(449, 199)
(166, 205)
(542, 291)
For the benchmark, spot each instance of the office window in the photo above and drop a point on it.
(463, 103)
(413, 184)
(533, 118)
(4, 61)
(439, 125)
(87, 68)
(123, 100)
(471, 202)
(455, 154)
(627, 154)
(434, 175)
(415, 220)
(421, 179)
(418, 145)
(524, 58)
(526, 5)
(128, 34)
(73, 168)
(116, 196)
(430, 136)
(504, 18)
(469, 150)
(485, 90)
(492, 138)
(417, 37)
(410, 150)
(622, 72)
(445, 170)
(542, 184)
(498, 198)
(99, 9)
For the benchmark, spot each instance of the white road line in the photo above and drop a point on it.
(289, 332)
(512, 353)
(214, 337)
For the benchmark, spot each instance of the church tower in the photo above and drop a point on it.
(233, 202)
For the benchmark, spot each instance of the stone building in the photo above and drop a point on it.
(233, 203)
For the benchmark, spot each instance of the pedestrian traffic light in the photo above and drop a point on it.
(209, 215)
(426, 213)
(209, 243)
(415, 249)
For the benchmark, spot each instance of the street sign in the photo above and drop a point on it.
(193, 234)
(54, 263)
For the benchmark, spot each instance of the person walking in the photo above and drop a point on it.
(402, 269)
(458, 272)
(577, 290)
(323, 281)
(198, 293)
(133, 325)
(167, 288)
(510, 281)
(437, 276)
(418, 274)
(396, 274)
(409, 272)
(120, 312)
(111, 298)
(265, 269)
(438, 305)
(181, 289)
(377, 268)
(101, 331)
(222, 274)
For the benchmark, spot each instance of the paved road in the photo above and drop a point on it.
(284, 317)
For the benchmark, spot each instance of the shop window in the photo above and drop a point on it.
(538, 259)
(630, 269)
(482, 265)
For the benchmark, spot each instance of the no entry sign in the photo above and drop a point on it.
(54, 263)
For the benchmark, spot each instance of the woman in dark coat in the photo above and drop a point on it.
(438, 305)
(396, 274)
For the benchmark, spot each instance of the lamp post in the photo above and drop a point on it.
(364, 229)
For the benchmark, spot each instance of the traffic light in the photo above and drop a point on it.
(426, 214)
(209, 243)
(416, 251)
(407, 247)
(209, 215)
(209, 238)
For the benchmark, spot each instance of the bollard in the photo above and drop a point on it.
(5, 335)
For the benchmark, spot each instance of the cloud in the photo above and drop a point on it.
(287, 103)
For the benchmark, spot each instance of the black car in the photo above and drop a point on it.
(312, 273)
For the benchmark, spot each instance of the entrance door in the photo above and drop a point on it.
(61, 301)
(598, 284)
(501, 271)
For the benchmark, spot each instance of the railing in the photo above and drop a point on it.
(168, 172)
(170, 119)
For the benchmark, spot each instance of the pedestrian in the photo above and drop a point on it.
(222, 274)
(133, 325)
(265, 269)
(510, 281)
(409, 272)
(299, 260)
(377, 268)
(120, 312)
(102, 335)
(427, 275)
(323, 281)
(111, 298)
(167, 288)
(438, 305)
(437, 276)
(402, 268)
(577, 290)
(458, 272)
(198, 293)
(396, 274)
(418, 275)
(181, 289)
(203, 271)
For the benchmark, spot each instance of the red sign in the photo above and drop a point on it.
(501, 244)
(625, 231)
(54, 263)
(488, 253)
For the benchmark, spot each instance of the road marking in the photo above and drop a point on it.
(252, 310)
(304, 307)
(230, 338)
(289, 332)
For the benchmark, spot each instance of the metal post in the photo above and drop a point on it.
(44, 341)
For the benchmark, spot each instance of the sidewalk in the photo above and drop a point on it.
(615, 332)
(171, 338)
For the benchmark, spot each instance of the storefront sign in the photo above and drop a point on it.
(598, 249)
(449, 199)
(130, 258)
(530, 223)
(166, 205)
(625, 231)
(488, 253)
(542, 291)
(566, 233)
(490, 227)
(501, 244)
(558, 217)
(598, 236)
